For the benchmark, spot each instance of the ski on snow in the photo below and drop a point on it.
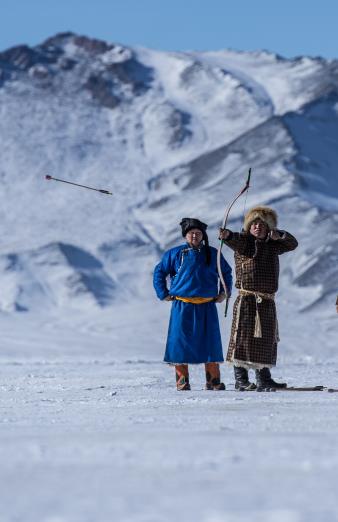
(301, 389)
(309, 388)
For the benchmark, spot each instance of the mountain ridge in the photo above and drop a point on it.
(169, 134)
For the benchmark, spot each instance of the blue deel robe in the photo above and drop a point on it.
(193, 336)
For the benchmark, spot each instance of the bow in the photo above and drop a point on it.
(224, 223)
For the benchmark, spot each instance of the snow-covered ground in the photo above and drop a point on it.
(92, 429)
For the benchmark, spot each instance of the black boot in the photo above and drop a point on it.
(265, 382)
(242, 379)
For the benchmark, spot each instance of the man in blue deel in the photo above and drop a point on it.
(193, 336)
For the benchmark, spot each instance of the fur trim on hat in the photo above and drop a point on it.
(265, 214)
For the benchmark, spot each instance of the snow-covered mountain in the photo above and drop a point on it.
(170, 134)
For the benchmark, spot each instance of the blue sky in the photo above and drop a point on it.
(287, 27)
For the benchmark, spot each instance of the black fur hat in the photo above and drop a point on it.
(190, 223)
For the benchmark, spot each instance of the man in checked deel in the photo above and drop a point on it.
(254, 332)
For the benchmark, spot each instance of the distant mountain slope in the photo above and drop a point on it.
(170, 134)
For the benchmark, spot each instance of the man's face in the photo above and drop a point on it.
(259, 229)
(194, 237)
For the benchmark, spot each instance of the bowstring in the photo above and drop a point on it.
(244, 207)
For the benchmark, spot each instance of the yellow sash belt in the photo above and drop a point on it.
(195, 300)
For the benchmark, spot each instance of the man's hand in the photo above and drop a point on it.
(224, 233)
(274, 234)
(337, 309)
(169, 298)
(220, 298)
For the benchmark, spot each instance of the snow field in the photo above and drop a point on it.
(92, 431)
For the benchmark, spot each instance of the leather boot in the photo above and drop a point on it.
(266, 383)
(242, 382)
(213, 377)
(182, 377)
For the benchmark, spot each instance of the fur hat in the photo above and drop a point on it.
(265, 214)
(189, 223)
